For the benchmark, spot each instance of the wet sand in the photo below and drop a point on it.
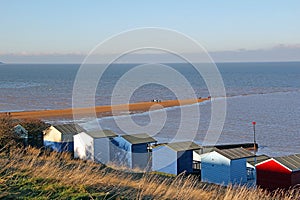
(103, 110)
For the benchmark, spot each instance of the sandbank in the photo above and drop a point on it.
(106, 110)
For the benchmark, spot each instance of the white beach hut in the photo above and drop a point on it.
(94, 146)
(60, 137)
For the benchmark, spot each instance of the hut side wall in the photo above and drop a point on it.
(102, 150)
(121, 152)
(184, 162)
(238, 171)
(59, 146)
(295, 178)
(83, 146)
(141, 157)
(164, 160)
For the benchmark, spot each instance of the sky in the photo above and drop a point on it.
(65, 31)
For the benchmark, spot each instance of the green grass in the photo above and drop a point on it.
(20, 186)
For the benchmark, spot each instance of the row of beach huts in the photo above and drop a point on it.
(223, 164)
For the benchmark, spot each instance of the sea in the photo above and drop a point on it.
(267, 93)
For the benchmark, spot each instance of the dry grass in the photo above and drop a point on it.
(52, 173)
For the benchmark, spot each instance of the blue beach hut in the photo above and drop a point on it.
(133, 151)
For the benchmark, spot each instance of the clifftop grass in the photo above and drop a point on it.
(30, 173)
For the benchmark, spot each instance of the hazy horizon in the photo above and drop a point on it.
(217, 57)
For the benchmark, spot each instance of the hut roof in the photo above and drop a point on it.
(292, 162)
(20, 131)
(102, 134)
(259, 159)
(183, 146)
(139, 138)
(235, 153)
(69, 128)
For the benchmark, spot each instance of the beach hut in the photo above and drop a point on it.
(174, 158)
(60, 137)
(21, 132)
(133, 151)
(279, 172)
(94, 146)
(227, 166)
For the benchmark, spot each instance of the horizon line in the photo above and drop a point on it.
(75, 63)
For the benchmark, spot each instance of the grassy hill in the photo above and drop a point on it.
(31, 173)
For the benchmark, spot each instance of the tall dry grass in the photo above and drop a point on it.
(62, 169)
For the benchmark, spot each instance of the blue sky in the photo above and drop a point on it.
(35, 29)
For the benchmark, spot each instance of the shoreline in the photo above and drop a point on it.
(102, 111)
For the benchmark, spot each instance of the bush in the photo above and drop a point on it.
(35, 128)
(9, 138)
(7, 135)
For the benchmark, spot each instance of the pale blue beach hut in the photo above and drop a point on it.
(174, 158)
(227, 166)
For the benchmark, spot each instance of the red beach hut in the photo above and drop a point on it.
(279, 172)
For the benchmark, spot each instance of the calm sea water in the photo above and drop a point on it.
(267, 93)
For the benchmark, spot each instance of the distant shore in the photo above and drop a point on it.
(102, 111)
